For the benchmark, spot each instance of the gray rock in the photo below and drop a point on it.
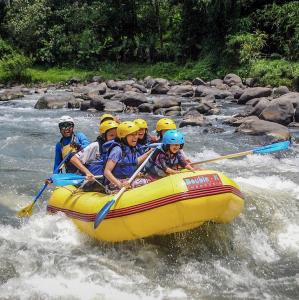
(254, 107)
(232, 79)
(181, 90)
(193, 119)
(252, 93)
(165, 102)
(250, 82)
(278, 111)
(114, 106)
(203, 91)
(98, 104)
(254, 126)
(236, 91)
(7, 270)
(85, 105)
(133, 99)
(198, 81)
(54, 101)
(10, 94)
(145, 108)
(160, 88)
(140, 87)
(281, 90)
(216, 82)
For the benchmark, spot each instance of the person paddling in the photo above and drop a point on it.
(170, 157)
(123, 158)
(70, 141)
(90, 159)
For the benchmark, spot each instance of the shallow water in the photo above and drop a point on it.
(45, 257)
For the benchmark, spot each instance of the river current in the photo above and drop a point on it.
(45, 257)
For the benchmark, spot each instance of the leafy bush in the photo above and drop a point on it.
(245, 47)
(15, 67)
(275, 72)
(5, 48)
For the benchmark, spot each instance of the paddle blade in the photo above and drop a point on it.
(272, 147)
(102, 213)
(67, 179)
(25, 211)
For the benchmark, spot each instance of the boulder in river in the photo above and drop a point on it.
(256, 92)
(254, 126)
(54, 101)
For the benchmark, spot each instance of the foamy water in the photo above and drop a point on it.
(46, 257)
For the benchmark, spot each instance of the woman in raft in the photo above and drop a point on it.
(123, 158)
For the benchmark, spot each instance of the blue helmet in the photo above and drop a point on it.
(172, 137)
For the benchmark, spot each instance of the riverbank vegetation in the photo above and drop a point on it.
(53, 41)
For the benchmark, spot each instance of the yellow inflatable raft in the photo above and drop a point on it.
(172, 204)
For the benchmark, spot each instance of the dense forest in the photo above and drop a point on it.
(221, 34)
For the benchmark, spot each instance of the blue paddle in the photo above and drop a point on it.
(27, 211)
(279, 146)
(106, 208)
(63, 179)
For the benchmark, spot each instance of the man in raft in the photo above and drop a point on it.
(70, 141)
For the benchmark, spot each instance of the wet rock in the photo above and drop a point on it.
(85, 105)
(281, 90)
(206, 108)
(172, 113)
(98, 104)
(140, 87)
(149, 82)
(213, 130)
(216, 82)
(254, 107)
(252, 93)
(232, 79)
(133, 99)
(10, 94)
(278, 111)
(198, 81)
(186, 90)
(254, 126)
(160, 88)
(111, 84)
(76, 103)
(165, 102)
(54, 101)
(203, 91)
(193, 118)
(236, 91)
(296, 114)
(114, 106)
(290, 97)
(159, 111)
(145, 108)
(109, 95)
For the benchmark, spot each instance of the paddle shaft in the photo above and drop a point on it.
(223, 157)
(106, 208)
(123, 189)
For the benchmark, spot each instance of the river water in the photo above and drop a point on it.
(45, 257)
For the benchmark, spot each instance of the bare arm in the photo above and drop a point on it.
(77, 163)
(143, 157)
(108, 173)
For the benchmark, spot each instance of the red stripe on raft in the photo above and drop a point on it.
(115, 213)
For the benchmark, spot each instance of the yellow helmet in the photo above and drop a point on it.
(107, 125)
(126, 128)
(106, 116)
(165, 124)
(141, 123)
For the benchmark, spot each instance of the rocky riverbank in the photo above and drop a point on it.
(267, 111)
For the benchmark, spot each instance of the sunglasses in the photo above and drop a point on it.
(66, 125)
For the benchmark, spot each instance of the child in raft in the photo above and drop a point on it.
(169, 158)
(123, 159)
(144, 139)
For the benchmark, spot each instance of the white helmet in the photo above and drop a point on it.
(66, 119)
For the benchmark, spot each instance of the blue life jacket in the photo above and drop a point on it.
(127, 165)
(96, 167)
